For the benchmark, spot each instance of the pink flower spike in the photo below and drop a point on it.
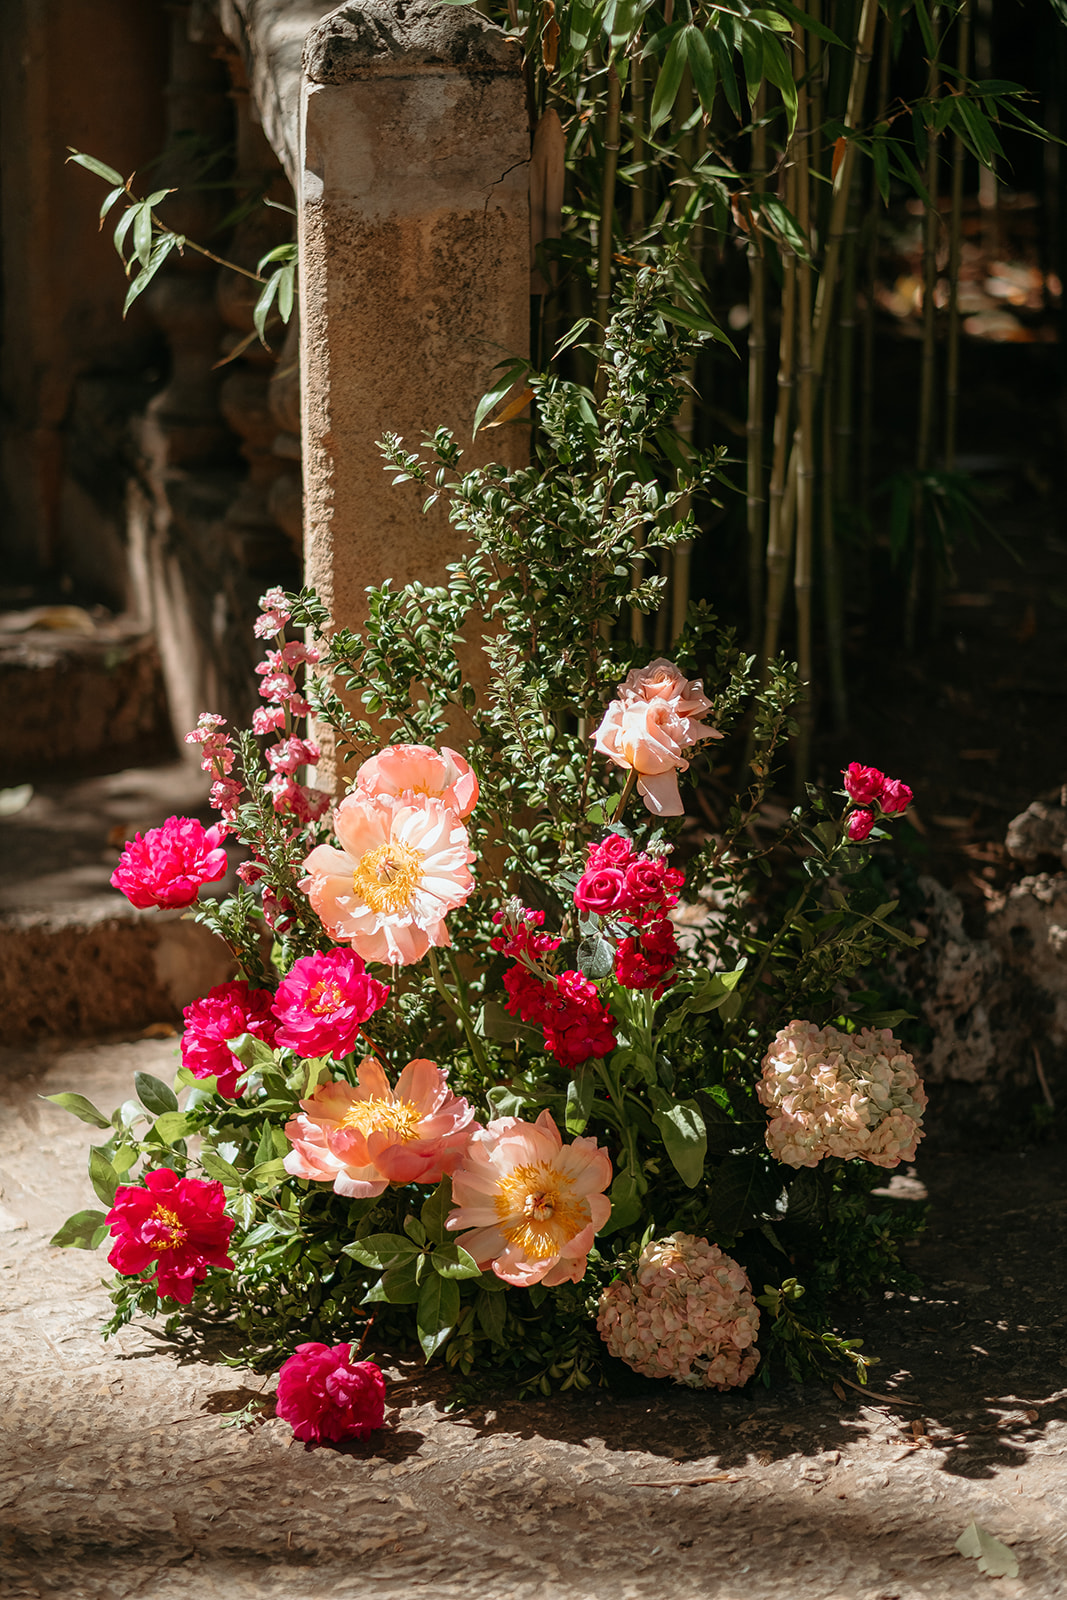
(276, 614)
(268, 719)
(894, 797)
(168, 866)
(326, 1397)
(533, 1203)
(859, 825)
(323, 1001)
(862, 784)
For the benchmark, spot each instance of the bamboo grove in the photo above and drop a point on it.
(750, 153)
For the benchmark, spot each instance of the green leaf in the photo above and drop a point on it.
(122, 228)
(286, 291)
(399, 1285)
(83, 1231)
(452, 1261)
(992, 1556)
(580, 1098)
(382, 1250)
(252, 1052)
(415, 1230)
(702, 67)
(684, 1136)
(668, 82)
(265, 1174)
(438, 1308)
(435, 1211)
(784, 224)
(173, 1125)
(513, 371)
(809, 24)
(102, 1176)
(492, 1313)
(738, 1189)
(154, 1094)
(79, 1107)
(778, 68)
(625, 1196)
(267, 297)
(494, 1022)
(91, 164)
(217, 1167)
(506, 1102)
(113, 195)
(142, 233)
(596, 956)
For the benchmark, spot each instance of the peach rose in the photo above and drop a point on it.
(650, 726)
(362, 1139)
(417, 769)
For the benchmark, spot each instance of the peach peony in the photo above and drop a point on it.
(363, 1139)
(402, 866)
(533, 1203)
(417, 769)
(648, 728)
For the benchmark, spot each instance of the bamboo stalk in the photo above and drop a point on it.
(870, 282)
(755, 499)
(606, 225)
(780, 527)
(833, 610)
(952, 380)
(804, 442)
(682, 554)
(637, 103)
(928, 372)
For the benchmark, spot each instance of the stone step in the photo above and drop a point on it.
(75, 957)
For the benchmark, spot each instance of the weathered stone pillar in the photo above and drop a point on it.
(414, 270)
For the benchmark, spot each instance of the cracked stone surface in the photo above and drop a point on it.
(118, 1480)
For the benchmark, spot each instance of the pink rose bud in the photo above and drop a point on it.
(895, 796)
(863, 784)
(600, 890)
(859, 826)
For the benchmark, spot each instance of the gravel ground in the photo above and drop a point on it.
(119, 1481)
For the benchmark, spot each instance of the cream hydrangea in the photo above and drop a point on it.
(841, 1094)
(685, 1312)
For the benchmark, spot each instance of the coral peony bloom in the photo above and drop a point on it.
(363, 1139)
(685, 1312)
(169, 864)
(533, 1202)
(323, 1001)
(402, 866)
(324, 1394)
(225, 1013)
(177, 1222)
(417, 769)
(859, 825)
(830, 1093)
(649, 727)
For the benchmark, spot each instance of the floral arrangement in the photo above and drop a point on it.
(494, 1075)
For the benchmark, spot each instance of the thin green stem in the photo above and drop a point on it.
(456, 1005)
(627, 790)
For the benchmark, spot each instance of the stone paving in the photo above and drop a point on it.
(119, 1480)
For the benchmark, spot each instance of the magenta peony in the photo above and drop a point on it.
(177, 1222)
(168, 865)
(324, 1395)
(323, 1001)
(224, 1013)
(830, 1093)
(685, 1312)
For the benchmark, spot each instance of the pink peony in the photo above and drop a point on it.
(403, 865)
(862, 784)
(685, 1312)
(178, 1223)
(225, 1013)
(324, 1395)
(840, 1094)
(417, 769)
(859, 825)
(168, 866)
(894, 796)
(533, 1203)
(363, 1139)
(650, 726)
(323, 1001)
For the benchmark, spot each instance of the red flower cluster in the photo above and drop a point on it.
(869, 787)
(324, 1395)
(640, 890)
(576, 1024)
(177, 1222)
(225, 1012)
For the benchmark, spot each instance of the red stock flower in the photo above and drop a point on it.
(177, 1222)
(225, 1012)
(323, 1002)
(324, 1395)
(167, 866)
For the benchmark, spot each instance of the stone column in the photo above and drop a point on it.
(414, 271)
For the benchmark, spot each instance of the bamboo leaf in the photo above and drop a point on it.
(142, 233)
(702, 67)
(784, 224)
(512, 409)
(164, 246)
(513, 370)
(122, 228)
(777, 68)
(115, 194)
(91, 164)
(809, 23)
(261, 311)
(668, 82)
(723, 56)
(286, 291)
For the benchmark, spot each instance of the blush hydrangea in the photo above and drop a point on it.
(326, 1396)
(178, 1223)
(685, 1312)
(830, 1093)
(224, 1013)
(323, 1002)
(168, 866)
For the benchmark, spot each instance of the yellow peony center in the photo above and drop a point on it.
(537, 1211)
(325, 997)
(173, 1223)
(379, 1116)
(386, 879)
